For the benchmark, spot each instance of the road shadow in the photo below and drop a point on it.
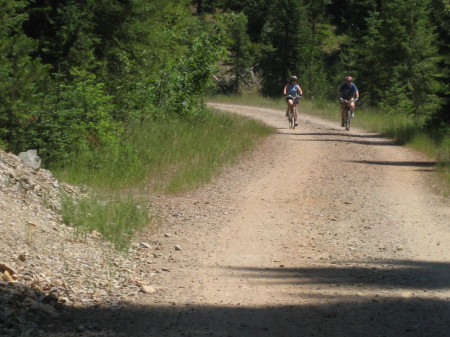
(339, 137)
(25, 309)
(335, 133)
(397, 163)
(367, 317)
(337, 316)
(418, 275)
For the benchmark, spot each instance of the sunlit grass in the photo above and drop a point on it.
(171, 156)
(117, 220)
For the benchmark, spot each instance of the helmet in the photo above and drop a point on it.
(348, 78)
(294, 78)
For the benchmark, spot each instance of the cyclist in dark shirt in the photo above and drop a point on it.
(347, 92)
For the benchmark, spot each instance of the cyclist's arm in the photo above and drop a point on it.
(284, 90)
(299, 90)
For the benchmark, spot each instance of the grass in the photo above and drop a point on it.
(165, 156)
(116, 220)
(170, 156)
(401, 128)
(184, 156)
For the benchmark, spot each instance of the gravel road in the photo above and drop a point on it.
(319, 232)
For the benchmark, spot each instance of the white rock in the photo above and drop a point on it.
(144, 245)
(148, 289)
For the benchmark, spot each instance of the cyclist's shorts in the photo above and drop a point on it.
(295, 99)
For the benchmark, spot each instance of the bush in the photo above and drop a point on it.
(72, 119)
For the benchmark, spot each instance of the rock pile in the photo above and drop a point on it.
(42, 262)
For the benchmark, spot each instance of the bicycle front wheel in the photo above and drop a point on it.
(347, 120)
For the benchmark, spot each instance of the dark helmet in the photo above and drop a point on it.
(348, 78)
(293, 78)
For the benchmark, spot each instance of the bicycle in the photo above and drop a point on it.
(292, 115)
(347, 113)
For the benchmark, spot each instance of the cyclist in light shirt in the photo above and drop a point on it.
(292, 91)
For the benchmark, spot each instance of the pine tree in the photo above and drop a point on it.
(285, 37)
(441, 19)
(315, 77)
(19, 74)
(371, 65)
(398, 57)
(239, 59)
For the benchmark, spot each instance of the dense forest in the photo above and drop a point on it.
(77, 74)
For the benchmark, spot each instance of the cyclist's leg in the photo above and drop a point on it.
(289, 102)
(296, 114)
(352, 108)
(342, 113)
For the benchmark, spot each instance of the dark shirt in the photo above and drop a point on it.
(348, 91)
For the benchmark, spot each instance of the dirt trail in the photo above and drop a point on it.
(321, 232)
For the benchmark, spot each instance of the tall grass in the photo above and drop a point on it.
(404, 129)
(117, 220)
(172, 155)
(184, 156)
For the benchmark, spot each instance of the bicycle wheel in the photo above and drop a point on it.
(347, 119)
(291, 119)
(294, 113)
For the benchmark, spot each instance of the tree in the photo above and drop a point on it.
(20, 74)
(372, 68)
(239, 48)
(441, 19)
(285, 37)
(315, 78)
(403, 43)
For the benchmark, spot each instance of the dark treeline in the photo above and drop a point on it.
(77, 74)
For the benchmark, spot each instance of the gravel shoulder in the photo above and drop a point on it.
(318, 232)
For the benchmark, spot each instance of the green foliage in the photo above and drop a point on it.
(441, 18)
(314, 73)
(18, 74)
(239, 49)
(72, 119)
(112, 63)
(286, 41)
(185, 80)
(398, 52)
